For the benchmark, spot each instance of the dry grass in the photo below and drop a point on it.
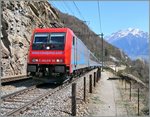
(132, 105)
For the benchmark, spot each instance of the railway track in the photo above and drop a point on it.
(20, 101)
(14, 78)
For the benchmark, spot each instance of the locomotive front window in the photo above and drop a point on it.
(57, 38)
(49, 41)
(40, 38)
(57, 41)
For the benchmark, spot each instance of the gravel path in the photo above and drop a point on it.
(106, 99)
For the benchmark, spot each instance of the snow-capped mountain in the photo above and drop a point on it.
(134, 42)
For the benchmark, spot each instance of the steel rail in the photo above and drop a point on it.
(17, 93)
(14, 78)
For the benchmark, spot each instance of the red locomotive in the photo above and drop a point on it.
(58, 53)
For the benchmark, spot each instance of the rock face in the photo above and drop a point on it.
(18, 21)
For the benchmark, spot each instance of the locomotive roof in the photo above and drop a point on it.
(52, 30)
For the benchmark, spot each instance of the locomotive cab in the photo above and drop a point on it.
(47, 52)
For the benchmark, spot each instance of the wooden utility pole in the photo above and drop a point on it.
(94, 79)
(138, 102)
(102, 49)
(90, 84)
(84, 93)
(73, 99)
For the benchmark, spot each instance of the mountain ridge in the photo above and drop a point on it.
(133, 41)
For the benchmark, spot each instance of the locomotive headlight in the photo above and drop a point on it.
(47, 47)
(59, 60)
(34, 60)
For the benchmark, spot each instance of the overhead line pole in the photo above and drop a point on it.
(101, 33)
(102, 50)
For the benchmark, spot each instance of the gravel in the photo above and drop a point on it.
(20, 100)
(60, 102)
(17, 86)
(57, 104)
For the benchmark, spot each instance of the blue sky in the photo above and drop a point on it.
(115, 15)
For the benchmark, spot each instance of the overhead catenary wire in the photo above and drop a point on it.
(78, 10)
(55, 5)
(68, 8)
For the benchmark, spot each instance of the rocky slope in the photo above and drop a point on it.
(18, 21)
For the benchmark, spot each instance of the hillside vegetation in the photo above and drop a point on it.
(140, 69)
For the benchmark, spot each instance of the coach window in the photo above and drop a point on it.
(73, 41)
